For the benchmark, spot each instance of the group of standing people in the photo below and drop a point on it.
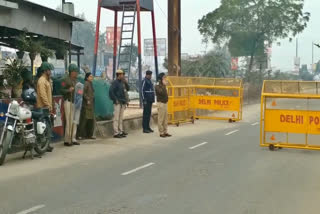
(86, 125)
(44, 89)
(118, 93)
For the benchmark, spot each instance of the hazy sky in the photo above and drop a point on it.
(283, 55)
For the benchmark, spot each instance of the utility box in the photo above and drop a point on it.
(146, 5)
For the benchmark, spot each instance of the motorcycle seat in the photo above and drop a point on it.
(40, 113)
(37, 115)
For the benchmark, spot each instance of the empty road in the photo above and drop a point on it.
(209, 167)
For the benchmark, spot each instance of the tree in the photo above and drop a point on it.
(84, 35)
(278, 75)
(304, 74)
(318, 68)
(254, 21)
(27, 43)
(134, 54)
(214, 64)
(165, 63)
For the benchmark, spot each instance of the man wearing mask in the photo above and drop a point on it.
(44, 90)
(148, 98)
(117, 95)
(162, 101)
(67, 90)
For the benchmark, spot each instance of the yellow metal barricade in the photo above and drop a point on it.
(217, 99)
(179, 91)
(290, 115)
(204, 98)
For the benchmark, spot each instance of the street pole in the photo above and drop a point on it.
(312, 54)
(297, 48)
(155, 46)
(174, 37)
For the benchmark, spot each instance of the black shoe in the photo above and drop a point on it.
(50, 149)
(117, 136)
(150, 130)
(163, 136)
(76, 143)
(124, 133)
(67, 144)
(146, 131)
(168, 135)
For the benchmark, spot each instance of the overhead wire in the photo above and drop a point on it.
(165, 15)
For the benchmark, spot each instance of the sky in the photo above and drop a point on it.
(192, 11)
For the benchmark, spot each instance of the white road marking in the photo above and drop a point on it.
(137, 169)
(32, 209)
(230, 133)
(254, 124)
(196, 146)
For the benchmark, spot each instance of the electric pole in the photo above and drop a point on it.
(174, 37)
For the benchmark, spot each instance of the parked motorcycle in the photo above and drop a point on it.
(25, 128)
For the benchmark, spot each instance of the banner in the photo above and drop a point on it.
(110, 36)
(234, 64)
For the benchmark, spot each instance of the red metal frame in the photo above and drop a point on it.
(96, 44)
(154, 34)
(115, 43)
(155, 46)
(139, 26)
(115, 39)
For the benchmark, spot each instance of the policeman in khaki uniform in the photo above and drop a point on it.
(117, 94)
(162, 101)
(67, 90)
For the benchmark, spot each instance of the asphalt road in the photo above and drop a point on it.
(222, 171)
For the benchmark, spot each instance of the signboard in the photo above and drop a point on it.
(217, 103)
(180, 104)
(292, 121)
(161, 46)
(234, 64)
(110, 36)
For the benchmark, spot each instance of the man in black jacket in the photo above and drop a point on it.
(117, 95)
(148, 99)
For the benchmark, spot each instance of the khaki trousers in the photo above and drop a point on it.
(118, 118)
(70, 125)
(162, 118)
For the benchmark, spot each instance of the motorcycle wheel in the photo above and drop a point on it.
(43, 141)
(5, 146)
